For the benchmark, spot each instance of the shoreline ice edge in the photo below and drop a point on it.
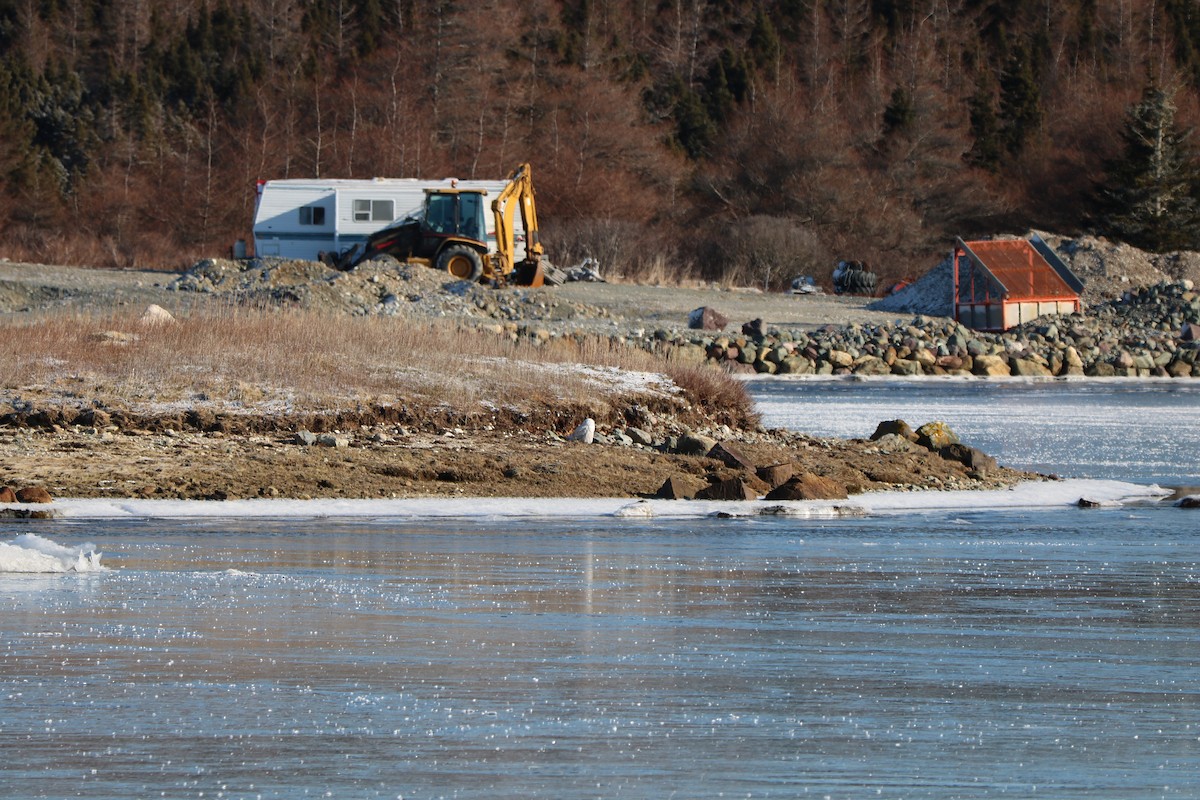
(1028, 494)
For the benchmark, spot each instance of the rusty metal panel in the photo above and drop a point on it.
(1019, 268)
(1056, 263)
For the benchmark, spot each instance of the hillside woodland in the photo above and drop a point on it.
(716, 139)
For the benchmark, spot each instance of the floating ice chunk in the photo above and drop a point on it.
(32, 553)
(639, 509)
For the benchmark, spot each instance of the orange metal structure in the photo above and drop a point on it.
(1001, 284)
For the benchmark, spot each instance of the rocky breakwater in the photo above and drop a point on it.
(895, 457)
(1148, 332)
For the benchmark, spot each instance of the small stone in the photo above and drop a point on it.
(306, 438)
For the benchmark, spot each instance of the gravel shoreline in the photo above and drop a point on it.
(376, 458)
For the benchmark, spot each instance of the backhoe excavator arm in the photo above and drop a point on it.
(518, 194)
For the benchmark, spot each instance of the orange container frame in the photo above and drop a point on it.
(1004, 283)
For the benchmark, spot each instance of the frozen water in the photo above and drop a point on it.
(1028, 495)
(944, 654)
(32, 553)
(1143, 431)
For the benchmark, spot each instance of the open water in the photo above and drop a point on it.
(938, 654)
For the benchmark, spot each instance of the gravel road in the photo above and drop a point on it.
(27, 288)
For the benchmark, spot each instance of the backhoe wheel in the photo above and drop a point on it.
(462, 262)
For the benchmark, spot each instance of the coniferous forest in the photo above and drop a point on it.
(719, 139)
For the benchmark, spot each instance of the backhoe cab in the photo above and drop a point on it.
(450, 233)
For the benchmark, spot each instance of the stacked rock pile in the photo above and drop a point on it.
(381, 287)
(1153, 331)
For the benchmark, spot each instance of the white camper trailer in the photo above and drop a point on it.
(300, 218)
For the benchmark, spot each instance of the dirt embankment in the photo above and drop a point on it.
(393, 461)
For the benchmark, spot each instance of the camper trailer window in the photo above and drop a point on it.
(312, 215)
(374, 210)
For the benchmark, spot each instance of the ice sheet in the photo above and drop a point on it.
(1121, 429)
(1049, 494)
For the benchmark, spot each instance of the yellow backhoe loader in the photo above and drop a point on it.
(450, 233)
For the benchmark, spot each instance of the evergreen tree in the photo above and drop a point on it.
(763, 44)
(900, 113)
(719, 98)
(1020, 101)
(986, 147)
(18, 159)
(1150, 198)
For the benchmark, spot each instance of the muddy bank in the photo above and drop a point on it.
(379, 458)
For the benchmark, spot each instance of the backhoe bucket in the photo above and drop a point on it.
(529, 273)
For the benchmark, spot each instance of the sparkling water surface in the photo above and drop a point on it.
(965, 654)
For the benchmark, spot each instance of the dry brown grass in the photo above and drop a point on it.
(301, 362)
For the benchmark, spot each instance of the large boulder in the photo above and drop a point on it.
(907, 367)
(776, 475)
(807, 486)
(33, 494)
(1028, 368)
(892, 443)
(970, 457)
(678, 487)
(695, 444)
(991, 366)
(585, 432)
(936, 435)
(155, 315)
(728, 489)
(895, 427)
(706, 318)
(839, 358)
(730, 455)
(7, 495)
(870, 365)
